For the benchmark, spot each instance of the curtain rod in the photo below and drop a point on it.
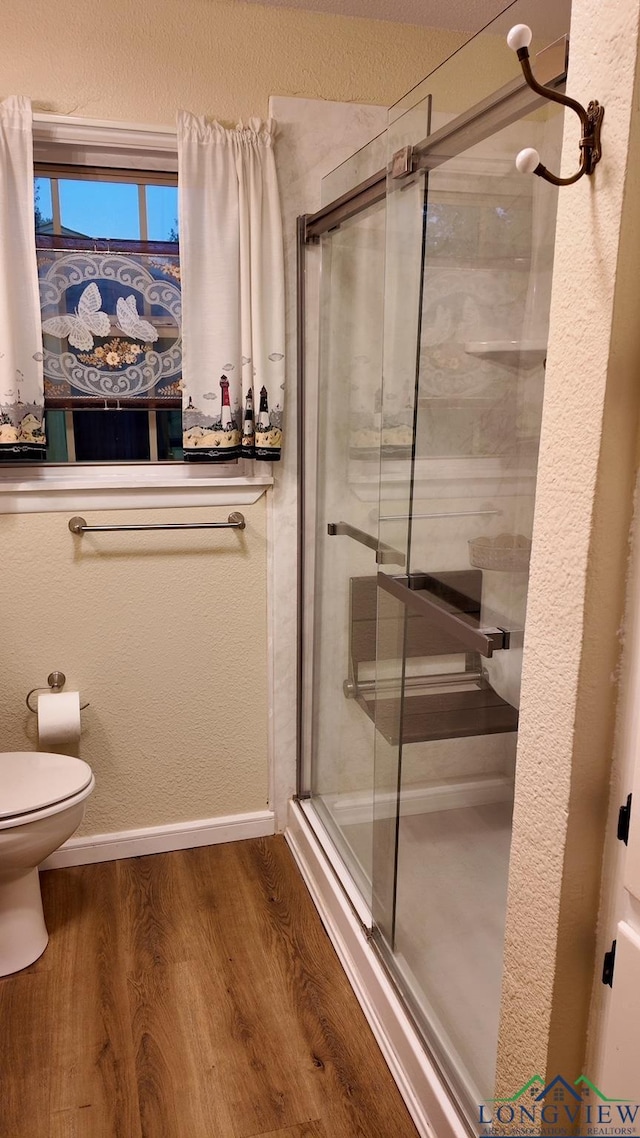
(106, 124)
(71, 128)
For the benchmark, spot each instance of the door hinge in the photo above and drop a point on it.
(609, 962)
(624, 817)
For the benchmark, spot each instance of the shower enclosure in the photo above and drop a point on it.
(431, 265)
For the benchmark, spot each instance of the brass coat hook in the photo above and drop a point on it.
(528, 160)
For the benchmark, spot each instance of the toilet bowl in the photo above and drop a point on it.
(42, 801)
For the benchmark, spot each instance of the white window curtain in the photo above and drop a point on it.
(21, 382)
(232, 291)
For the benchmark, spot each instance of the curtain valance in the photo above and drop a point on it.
(233, 291)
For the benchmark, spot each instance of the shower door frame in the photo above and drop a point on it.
(505, 106)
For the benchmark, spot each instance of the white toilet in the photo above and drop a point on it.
(42, 801)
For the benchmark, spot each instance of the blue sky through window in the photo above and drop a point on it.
(100, 209)
(43, 196)
(162, 212)
(110, 209)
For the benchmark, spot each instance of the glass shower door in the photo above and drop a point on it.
(345, 530)
(403, 285)
(423, 433)
(469, 254)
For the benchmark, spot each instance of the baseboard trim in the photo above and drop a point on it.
(161, 839)
(417, 1079)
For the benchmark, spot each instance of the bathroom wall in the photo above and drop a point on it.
(165, 635)
(167, 639)
(583, 508)
(140, 61)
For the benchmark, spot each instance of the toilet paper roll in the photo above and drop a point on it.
(58, 719)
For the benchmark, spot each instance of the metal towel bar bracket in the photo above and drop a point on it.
(78, 525)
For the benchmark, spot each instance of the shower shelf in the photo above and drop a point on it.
(445, 715)
(511, 353)
(451, 610)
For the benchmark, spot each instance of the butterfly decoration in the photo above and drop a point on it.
(87, 321)
(132, 324)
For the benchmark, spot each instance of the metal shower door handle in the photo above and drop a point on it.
(385, 554)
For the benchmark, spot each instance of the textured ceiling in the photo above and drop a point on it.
(461, 15)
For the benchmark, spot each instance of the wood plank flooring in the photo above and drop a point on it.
(189, 995)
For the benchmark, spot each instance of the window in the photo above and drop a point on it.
(114, 466)
(109, 269)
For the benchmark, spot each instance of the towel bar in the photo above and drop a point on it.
(235, 520)
(414, 593)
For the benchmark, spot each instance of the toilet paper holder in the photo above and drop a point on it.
(56, 682)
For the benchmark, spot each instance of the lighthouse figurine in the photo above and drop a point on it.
(225, 414)
(248, 429)
(263, 414)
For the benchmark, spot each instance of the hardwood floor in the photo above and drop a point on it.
(189, 995)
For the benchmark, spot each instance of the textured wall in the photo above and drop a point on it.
(583, 509)
(141, 61)
(165, 634)
(170, 647)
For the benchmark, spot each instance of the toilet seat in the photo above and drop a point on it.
(18, 820)
(38, 783)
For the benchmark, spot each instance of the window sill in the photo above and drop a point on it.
(41, 490)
